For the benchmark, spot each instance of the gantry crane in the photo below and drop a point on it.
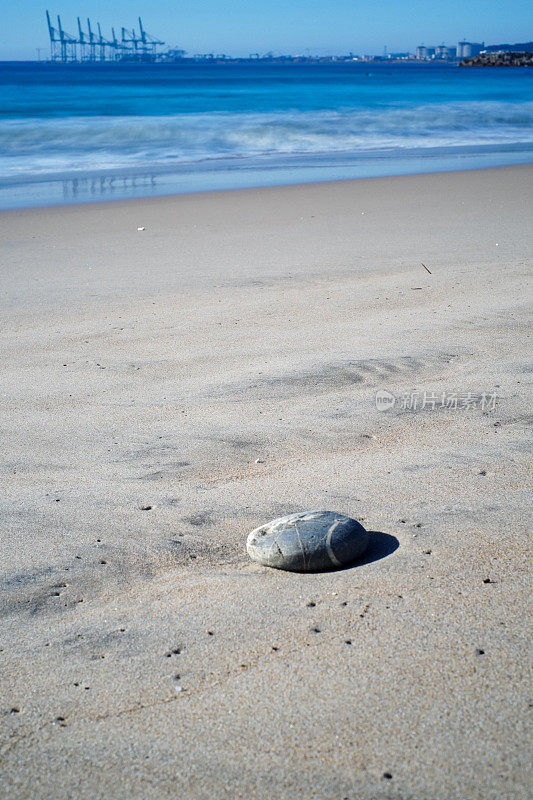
(94, 46)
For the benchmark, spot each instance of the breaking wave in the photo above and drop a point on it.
(32, 147)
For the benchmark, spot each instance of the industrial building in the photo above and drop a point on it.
(469, 49)
(444, 53)
(91, 45)
(423, 52)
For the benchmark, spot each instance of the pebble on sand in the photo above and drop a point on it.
(308, 541)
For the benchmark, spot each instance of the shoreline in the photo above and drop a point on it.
(233, 174)
(166, 391)
(225, 190)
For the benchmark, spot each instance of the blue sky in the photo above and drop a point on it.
(239, 27)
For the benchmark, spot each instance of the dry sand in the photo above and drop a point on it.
(155, 369)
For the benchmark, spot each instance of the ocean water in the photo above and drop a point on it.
(76, 133)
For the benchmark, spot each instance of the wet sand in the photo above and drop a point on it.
(165, 391)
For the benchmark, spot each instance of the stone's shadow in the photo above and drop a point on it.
(380, 546)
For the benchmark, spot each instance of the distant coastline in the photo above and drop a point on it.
(499, 60)
(136, 46)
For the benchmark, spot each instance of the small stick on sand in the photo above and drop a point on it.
(427, 270)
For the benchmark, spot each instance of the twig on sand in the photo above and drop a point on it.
(427, 270)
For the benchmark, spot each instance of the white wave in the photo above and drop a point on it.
(75, 144)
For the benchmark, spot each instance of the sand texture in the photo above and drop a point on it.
(166, 391)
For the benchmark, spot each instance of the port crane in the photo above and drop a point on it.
(92, 45)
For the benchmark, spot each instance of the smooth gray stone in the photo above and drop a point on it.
(309, 541)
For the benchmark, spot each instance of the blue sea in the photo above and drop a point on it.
(85, 132)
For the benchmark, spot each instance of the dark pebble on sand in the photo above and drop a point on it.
(308, 541)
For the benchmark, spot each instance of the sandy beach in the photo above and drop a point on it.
(166, 390)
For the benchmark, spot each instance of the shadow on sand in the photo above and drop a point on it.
(380, 546)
